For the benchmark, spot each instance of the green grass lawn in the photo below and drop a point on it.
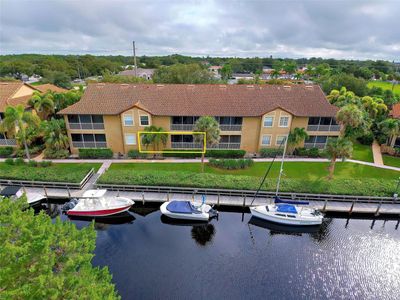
(391, 161)
(307, 177)
(385, 85)
(67, 172)
(362, 152)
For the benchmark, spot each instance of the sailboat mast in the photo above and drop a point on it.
(281, 167)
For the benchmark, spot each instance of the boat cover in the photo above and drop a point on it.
(182, 207)
(10, 191)
(287, 208)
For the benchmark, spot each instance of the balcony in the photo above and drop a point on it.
(315, 145)
(226, 146)
(182, 127)
(89, 144)
(323, 128)
(183, 145)
(231, 127)
(95, 126)
(8, 142)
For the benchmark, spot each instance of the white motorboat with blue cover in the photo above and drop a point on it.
(16, 192)
(287, 212)
(188, 210)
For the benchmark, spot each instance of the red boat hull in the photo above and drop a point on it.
(98, 213)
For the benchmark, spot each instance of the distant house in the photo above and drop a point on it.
(43, 88)
(13, 93)
(215, 70)
(395, 113)
(142, 73)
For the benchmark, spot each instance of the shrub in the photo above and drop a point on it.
(300, 152)
(19, 161)
(136, 154)
(270, 152)
(6, 151)
(9, 161)
(32, 163)
(32, 151)
(209, 153)
(52, 153)
(46, 163)
(313, 152)
(366, 139)
(231, 164)
(95, 153)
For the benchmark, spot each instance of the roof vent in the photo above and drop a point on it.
(190, 86)
(3, 83)
(250, 86)
(309, 87)
(100, 85)
(124, 85)
(160, 85)
(222, 86)
(287, 87)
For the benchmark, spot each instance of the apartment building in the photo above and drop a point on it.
(13, 93)
(250, 116)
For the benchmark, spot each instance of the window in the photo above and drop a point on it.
(128, 120)
(100, 137)
(76, 137)
(97, 119)
(321, 139)
(266, 140)
(284, 121)
(85, 118)
(268, 121)
(144, 120)
(130, 139)
(280, 139)
(73, 118)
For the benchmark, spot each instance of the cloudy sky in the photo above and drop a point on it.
(360, 29)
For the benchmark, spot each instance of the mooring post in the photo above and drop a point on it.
(377, 209)
(167, 196)
(325, 204)
(45, 192)
(244, 201)
(218, 201)
(351, 208)
(143, 198)
(117, 192)
(24, 189)
(69, 192)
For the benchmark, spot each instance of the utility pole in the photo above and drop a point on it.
(134, 58)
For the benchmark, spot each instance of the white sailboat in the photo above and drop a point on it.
(286, 211)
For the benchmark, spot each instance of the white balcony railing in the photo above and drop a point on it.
(323, 128)
(184, 127)
(315, 145)
(182, 145)
(8, 142)
(89, 144)
(230, 127)
(226, 146)
(95, 126)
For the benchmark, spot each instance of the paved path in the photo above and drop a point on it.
(376, 151)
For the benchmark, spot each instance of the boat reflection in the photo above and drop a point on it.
(283, 229)
(202, 233)
(122, 218)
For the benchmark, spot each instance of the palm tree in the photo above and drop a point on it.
(374, 106)
(350, 117)
(43, 104)
(390, 127)
(336, 148)
(55, 134)
(210, 126)
(296, 137)
(154, 139)
(16, 118)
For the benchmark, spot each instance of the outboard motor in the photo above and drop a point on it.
(70, 204)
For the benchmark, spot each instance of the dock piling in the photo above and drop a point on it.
(218, 201)
(69, 192)
(244, 201)
(351, 208)
(378, 209)
(45, 192)
(325, 204)
(143, 198)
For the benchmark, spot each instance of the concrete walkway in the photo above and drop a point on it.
(376, 151)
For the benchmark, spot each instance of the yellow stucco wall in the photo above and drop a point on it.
(275, 130)
(250, 134)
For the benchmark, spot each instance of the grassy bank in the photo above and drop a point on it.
(391, 161)
(362, 152)
(67, 172)
(385, 86)
(306, 177)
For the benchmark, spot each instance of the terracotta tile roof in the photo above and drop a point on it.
(395, 113)
(7, 90)
(202, 99)
(50, 87)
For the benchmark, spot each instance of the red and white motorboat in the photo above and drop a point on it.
(94, 203)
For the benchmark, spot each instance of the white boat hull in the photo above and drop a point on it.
(262, 213)
(34, 198)
(202, 216)
(100, 207)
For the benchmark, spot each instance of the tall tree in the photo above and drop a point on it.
(210, 126)
(154, 139)
(45, 259)
(17, 119)
(55, 134)
(351, 118)
(226, 71)
(390, 127)
(296, 136)
(43, 104)
(338, 148)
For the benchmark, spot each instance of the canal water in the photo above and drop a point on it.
(238, 257)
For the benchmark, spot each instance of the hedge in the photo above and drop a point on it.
(311, 152)
(231, 164)
(365, 186)
(95, 153)
(6, 151)
(209, 153)
(136, 154)
(270, 152)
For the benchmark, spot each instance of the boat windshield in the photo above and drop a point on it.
(286, 208)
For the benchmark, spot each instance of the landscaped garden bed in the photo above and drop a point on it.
(57, 172)
(301, 177)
